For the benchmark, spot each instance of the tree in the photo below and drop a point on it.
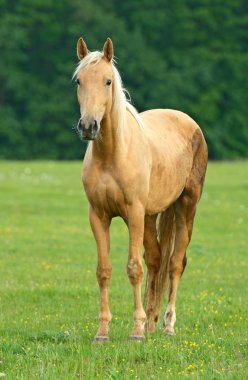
(189, 55)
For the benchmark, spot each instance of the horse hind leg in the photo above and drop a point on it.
(152, 258)
(185, 212)
(185, 209)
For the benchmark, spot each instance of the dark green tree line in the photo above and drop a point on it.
(184, 54)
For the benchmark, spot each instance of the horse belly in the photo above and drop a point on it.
(167, 180)
(162, 194)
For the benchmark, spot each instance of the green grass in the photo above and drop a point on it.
(49, 300)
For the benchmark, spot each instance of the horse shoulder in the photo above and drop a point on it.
(111, 188)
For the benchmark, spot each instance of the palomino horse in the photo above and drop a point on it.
(147, 168)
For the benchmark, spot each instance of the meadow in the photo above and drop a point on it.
(49, 298)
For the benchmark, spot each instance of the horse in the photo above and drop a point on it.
(147, 168)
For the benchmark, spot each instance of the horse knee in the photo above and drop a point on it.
(103, 275)
(135, 271)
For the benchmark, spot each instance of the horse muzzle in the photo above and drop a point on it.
(88, 131)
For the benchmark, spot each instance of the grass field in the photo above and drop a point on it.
(49, 295)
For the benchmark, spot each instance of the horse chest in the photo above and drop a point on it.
(105, 194)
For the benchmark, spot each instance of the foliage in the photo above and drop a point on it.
(187, 55)
(49, 295)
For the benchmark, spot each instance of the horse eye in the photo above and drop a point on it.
(109, 81)
(77, 81)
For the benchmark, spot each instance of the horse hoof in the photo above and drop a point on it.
(137, 338)
(169, 332)
(101, 339)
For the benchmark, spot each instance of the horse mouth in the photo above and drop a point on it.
(89, 137)
(86, 136)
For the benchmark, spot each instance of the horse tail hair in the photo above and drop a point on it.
(166, 237)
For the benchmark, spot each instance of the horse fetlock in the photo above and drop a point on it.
(139, 315)
(169, 320)
(139, 328)
(103, 329)
(169, 330)
(152, 318)
(105, 317)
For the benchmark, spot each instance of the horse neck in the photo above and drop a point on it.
(109, 143)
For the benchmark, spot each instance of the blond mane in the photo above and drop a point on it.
(120, 101)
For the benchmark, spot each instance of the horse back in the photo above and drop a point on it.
(168, 121)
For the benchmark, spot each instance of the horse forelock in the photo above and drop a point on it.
(121, 97)
(93, 57)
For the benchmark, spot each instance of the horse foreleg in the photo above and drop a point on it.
(152, 259)
(100, 228)
(185, 209)
(134, 267)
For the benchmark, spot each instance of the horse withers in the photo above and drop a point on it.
(147, 168)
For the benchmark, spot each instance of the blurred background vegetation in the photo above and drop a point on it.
(189, 55)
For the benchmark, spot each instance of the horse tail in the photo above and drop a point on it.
(166, 238)
(166, 229)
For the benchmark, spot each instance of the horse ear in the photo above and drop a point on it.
(82, 50)
(108, 50)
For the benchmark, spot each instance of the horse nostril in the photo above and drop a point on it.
(80, 127)
(95, 125)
